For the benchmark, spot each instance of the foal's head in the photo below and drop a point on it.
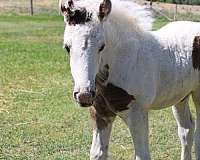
(84, 40)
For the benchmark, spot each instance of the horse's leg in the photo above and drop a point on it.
(137, 121)
(101, 135)
(196, 100)
(183, 118)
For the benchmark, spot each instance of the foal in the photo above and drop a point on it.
(123, 70)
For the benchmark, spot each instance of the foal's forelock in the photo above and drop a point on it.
(75, 15)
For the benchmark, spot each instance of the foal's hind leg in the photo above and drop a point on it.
(185, 127)
(196, 100)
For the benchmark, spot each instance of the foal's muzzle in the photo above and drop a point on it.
(85, 99)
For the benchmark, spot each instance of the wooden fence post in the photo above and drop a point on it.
(59, 6)
(31, 3)
(176, 12)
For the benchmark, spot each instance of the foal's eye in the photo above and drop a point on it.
(67, 48)
(102, 47)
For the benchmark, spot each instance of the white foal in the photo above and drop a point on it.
(124, 70)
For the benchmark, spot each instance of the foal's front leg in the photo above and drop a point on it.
(101, 136)
(137, 121)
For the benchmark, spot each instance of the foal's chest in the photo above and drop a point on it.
(110, 98)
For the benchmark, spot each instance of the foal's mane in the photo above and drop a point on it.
(136, 16)
(127, 20)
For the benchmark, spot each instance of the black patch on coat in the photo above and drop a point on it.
(196, 53)
(117, 97)
(109, 99)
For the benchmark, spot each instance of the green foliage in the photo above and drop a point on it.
(193, 2)
(38, 117)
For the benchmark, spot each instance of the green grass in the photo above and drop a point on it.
(159, 22)
(38, 118)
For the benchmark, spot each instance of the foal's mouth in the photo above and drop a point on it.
(86, 104)
(85, 99)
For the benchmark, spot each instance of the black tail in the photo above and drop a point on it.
(196, 53)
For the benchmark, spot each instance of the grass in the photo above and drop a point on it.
(38, 118)
(188, 16)
(159, 22)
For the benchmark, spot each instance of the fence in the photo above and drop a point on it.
(175, 12)
(24, 7)
(29, 7)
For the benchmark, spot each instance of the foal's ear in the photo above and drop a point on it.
(104, 9)
(66, 9)
(63, 9)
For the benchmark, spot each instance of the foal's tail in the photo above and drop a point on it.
(196, 100)
(196, 94)
(196, 53)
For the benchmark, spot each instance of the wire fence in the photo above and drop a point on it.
(170, 11)
(24, 7)
(174, 12)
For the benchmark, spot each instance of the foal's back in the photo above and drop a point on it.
(177, 76)
(180, 27)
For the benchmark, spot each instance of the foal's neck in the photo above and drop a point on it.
(126, 48)
(120, 34)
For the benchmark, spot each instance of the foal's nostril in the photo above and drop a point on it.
(75, 95)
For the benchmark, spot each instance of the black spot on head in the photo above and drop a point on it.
(78, 16)
(70, 3)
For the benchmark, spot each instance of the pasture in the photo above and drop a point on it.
(38, 117)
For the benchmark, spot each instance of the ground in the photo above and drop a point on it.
(38, 117)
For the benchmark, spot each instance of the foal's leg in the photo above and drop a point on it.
(183, 118)
(101, 136)
(196, 100)
(137, 121)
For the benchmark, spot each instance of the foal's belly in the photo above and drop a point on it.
(164, 103)
(172, 90)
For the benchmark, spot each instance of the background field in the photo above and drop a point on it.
(22, 7)
(38, 118)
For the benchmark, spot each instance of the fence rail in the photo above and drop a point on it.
(173, 12)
